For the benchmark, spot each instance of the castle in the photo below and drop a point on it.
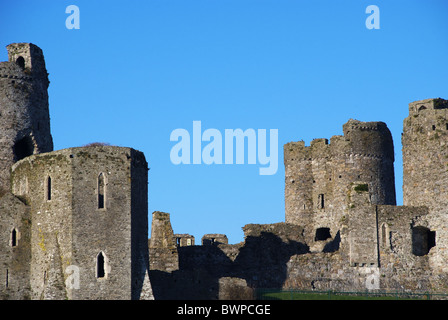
(75, 221)
(343, 230)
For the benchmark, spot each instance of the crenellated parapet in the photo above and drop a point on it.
(318, 176)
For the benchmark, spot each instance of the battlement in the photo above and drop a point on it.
(417, 107)
(214, 239)
(360, 139)
(317, 177)
(28, 57)
(358, 125)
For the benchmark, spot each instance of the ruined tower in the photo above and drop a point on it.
(74, 221)
(318, 177)
(24, 114)
(425, 175)
(425, 154)
(24, 130)
(89, 214)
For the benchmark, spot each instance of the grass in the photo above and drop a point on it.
(297, 295)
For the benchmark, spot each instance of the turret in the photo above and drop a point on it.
(318, 177)
(24, 114)
(425, 154)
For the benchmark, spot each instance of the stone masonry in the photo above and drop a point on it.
(74, 221)
(343, 230)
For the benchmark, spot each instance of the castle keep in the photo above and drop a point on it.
(318, 177)
(75, 221)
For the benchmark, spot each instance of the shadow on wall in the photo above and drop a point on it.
(260, 261)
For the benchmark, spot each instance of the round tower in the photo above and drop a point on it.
(369, 157)
(318, 177)
(24, 113)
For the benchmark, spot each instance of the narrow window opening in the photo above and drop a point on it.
(101, 187)
(100, 273)
(49, 188)
(321, 201)
(14, 238)
(7, 278)
(433, 127)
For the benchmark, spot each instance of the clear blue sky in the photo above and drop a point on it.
(137, 70)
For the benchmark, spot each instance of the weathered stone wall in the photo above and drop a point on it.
(317, 177)
(425, 163)
(24, 118)
(214, 238)
(51, 232)
(70, 227)
(15, 251)
(87, 208)
(163, 254)
(276, 256)
(184, 239)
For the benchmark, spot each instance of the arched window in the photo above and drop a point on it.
(422, 107)
(101, 265)
(21, 62)
(49, 188)
(14, 237)
(101, 191)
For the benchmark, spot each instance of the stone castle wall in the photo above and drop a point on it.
(425, 164)
(71, 225)
(343, 230)
(78, 210)
(24, 118)
(87, 208)
(318, 176)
